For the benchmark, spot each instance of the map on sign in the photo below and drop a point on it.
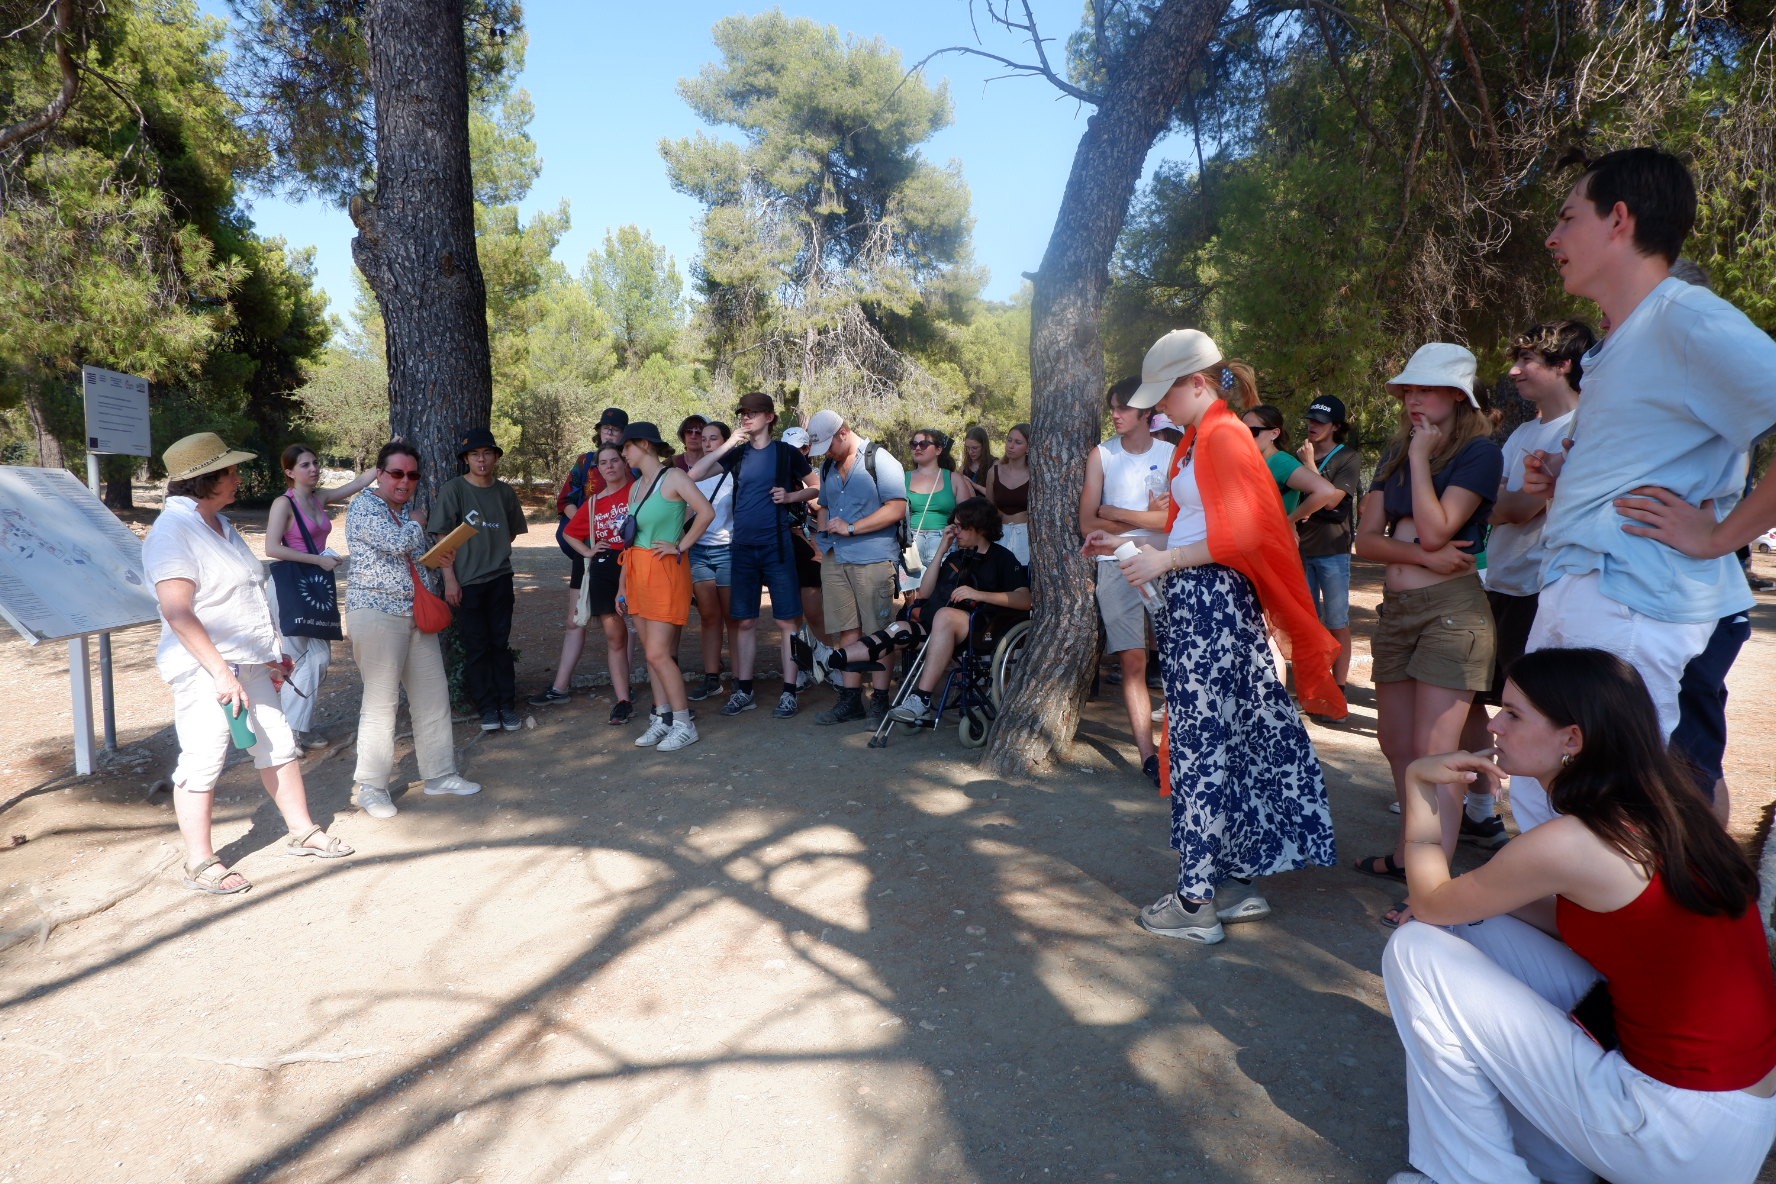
(68, 567)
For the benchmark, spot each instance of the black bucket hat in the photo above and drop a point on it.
(477, 438)
(643, 430)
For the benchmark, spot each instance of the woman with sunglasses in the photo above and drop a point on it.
(934, 490)
(386, 537)
(1304, 490)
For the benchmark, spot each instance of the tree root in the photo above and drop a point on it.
(267, 1064)
(48, 919)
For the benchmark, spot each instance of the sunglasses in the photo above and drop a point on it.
(402, 474)
(922, 443)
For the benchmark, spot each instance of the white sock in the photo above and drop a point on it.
(1481, 806)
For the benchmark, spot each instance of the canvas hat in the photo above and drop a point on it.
(821, 430)
(1441, 364)
(201, 453)
(614, 417)
(796, 437)
(1180, 353)
(1327, 409)
(477, 438)
(756, 403)
(643, 430)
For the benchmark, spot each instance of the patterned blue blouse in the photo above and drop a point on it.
(380, 548)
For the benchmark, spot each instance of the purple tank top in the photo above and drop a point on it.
(317, 529)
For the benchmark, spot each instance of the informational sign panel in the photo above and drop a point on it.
(116, 412)
(68, 567)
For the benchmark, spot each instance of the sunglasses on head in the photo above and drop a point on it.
(403, 474)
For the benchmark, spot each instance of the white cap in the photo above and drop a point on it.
(1441, 364)
(821, 430)
(796, 437)
(1179, 353)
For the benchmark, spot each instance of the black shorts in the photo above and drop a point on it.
(1511, 618)
(606, 571)
(1700, 738)
(807, 566)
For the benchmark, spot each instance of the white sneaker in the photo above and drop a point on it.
(454, 783)
(683, 732)
(375, 802)
(657, 731)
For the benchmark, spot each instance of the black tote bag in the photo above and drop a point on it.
(307, 596)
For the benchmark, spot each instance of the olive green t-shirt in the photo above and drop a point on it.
(497, 517)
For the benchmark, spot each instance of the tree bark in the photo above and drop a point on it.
(1067, 377)
(416, 236)
(49, 445)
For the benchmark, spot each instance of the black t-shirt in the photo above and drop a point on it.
(1477, 467)
(994, 570)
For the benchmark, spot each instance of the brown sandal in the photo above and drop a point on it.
(210, 876)
(297, 845)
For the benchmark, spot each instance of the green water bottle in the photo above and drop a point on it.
(240, 724)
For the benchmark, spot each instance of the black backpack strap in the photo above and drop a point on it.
(296, 512)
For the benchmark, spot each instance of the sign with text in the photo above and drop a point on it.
(68, 566)
(116, 412)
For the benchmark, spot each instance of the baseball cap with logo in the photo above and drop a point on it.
(1327, 409)
(796, 437)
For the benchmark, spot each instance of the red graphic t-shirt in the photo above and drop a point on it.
(609, 510)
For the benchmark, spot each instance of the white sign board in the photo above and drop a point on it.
(116, 412)
(68, 567)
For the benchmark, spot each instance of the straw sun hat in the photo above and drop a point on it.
(200, 453)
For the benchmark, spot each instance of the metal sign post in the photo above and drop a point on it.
(116, 422)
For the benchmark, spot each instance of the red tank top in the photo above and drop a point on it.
(1694, 996)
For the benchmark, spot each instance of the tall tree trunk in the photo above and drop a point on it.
(1067, 377)
(49, 446)
(416, 236)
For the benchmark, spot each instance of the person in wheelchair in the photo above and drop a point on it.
(972, 570)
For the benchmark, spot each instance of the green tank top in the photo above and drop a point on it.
(931, 511)
(658, 520)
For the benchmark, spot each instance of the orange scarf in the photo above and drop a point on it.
(1250, 532)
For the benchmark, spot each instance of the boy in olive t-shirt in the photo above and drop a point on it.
(479, 585)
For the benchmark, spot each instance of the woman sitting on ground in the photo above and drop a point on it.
(972, 569)
(1632, 913)
(934, 490)
(1304, 490)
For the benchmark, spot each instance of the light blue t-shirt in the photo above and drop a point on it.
(855, 497)
(1674, 396)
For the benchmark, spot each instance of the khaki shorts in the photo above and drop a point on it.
(1441, 635)
(857, 595)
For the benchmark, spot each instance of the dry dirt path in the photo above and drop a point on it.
(774, 956)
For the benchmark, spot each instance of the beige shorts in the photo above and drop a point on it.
(1441, 635)
(857, 595)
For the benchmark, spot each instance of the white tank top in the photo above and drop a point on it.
(719, 489)
(1131, 482)
(1192, 523)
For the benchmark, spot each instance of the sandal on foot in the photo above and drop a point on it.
(297, 845)
(1398, 915)
(1382, 867)
(211, 877)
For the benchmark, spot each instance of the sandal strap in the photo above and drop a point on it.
(198, 871)
(308, 834)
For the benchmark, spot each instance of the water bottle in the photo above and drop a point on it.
(1149, 597)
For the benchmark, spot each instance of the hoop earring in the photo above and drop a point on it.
(1566, 758)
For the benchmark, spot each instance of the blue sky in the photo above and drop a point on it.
(603, 75)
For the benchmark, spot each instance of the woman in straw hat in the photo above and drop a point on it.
(220, 652)
(1248, 797)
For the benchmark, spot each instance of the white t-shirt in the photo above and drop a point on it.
(1674, 396)
(230, 598)
(1130, 483)
(719, 489)
(1514, 552)
(1192, 523)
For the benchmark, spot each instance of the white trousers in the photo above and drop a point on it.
(1573, 613)
(391, 654)
(202, 726)
(1502, 1087)
(311, 655)
(1016, 539)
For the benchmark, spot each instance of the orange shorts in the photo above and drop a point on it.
(658, 587)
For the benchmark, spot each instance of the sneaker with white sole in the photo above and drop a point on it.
(1235, 902)
(787, 706)
(914, 709)
(510, 720)
(711, 685)
(1489, 834)
(739, 701)
(375, 802)
(490, 720)
(1168, 917)
(656, 732)
(451, 783)
(683, 732)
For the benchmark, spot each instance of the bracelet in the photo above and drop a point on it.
(1426, 842)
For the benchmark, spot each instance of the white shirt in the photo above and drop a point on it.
(230, 597)
(1514, 552)
(1131, 481)
(1192, 523)
(719, 489)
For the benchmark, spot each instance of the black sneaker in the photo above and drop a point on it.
(490, 720)
(549, 697)
(509, 719)
(1488, 835)
(1150, 766)
(878, 706)
(849, 707)
(711, 685)
(621, 712)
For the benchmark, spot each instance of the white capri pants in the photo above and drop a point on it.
(1502, 1087)
(1573, 613)
(202, 726)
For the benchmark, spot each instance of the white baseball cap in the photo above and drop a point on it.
(1440, 363)
(1179, 353)
(796, 437)
(821, 430)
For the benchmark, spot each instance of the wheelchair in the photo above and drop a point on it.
(973, 689)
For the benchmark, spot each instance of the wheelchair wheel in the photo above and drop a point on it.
(972, 727)
(1006, 656)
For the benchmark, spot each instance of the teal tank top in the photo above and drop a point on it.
(931, 511)
(658, 520)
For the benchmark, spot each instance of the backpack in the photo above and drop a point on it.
(902, 538)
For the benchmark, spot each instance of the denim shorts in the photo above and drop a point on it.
(712, 561)
(757, 567)
(1329, 582)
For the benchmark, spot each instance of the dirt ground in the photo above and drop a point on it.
(774, 956)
